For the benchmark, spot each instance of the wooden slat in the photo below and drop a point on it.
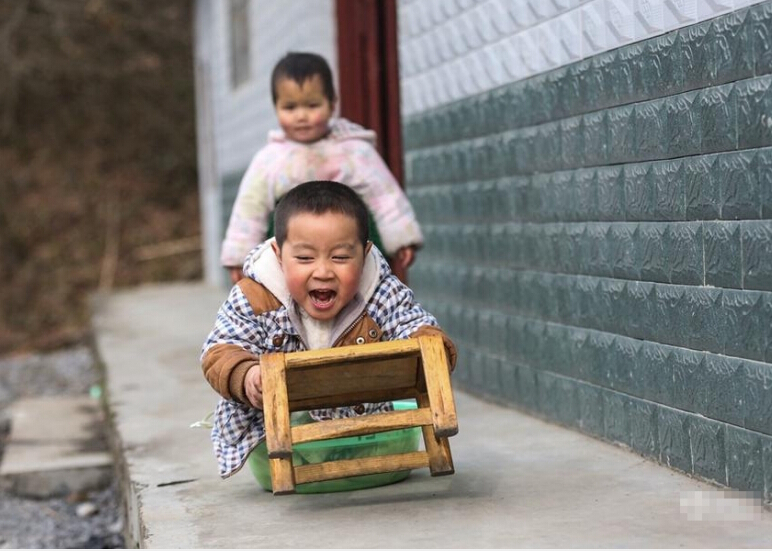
(275, 406)
(367, 424)
(437, 378)
(354, 353)
(336, 379)
(438, 449)
(282, 476)
(352, 398)
(365, 465)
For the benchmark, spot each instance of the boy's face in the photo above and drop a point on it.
(322, 259)
(303, 110)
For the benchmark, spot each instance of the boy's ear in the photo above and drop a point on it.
(368, 246)
(276, 250)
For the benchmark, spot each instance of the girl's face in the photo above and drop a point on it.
(322, 259)
(302, 109)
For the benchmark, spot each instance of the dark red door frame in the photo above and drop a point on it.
(368, 72)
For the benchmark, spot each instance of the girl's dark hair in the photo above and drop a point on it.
(320, 197)
(299, 67)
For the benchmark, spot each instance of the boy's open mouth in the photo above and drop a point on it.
(322, 298)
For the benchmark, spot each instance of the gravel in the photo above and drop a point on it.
(91, 520)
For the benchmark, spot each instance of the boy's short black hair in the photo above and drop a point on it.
(320, 197)
(299, 67)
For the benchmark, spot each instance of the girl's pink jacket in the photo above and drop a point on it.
(347, 155)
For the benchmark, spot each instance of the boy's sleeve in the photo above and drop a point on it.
(408, 319)
(374, 182)
(248, 222)
(231, 348)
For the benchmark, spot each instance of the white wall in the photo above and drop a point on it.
(241, 118)
(451, 49)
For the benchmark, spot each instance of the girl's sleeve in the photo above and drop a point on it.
(248, 222)
(393, 214)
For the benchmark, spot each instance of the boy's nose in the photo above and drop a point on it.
(322, 271)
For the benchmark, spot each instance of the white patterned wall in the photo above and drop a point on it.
(451, 49)
(234, 123)
(243, 116)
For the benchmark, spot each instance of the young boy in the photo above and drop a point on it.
(319, 283)
(312, 145)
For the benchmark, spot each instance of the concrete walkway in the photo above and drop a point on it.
(519, 482)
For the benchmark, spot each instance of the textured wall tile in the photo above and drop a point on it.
(747, 326)
(621, 134)
(650, 130)
(654, 252)
(492, 375)
(705, 324)
(595, 138)
(477, 370)
(761, 29)
(565, 191)
(673, 320)
(766, 455)
(708, 454)
(723, 255)
(594, 256)
(674, 443)
(528, 389)
(668, 183)
(644, 437)
(718, 116)
(627, 74)
(702, 188)
(721, 393)
(611, 198)
(623, 248)
(508, 381)
(754, 112)
(758, 396)
(763, 165)
(567, 402)
(685, 254)
(624, 371)
(657, 370)
(608, 307)
(598, 349)
(590, 400)
(616, 421)
(683, 126)
(572, 142)
(664, 68)
(757, 255)
(638, 191)
(738, 187)
(639, 300)
(586, 183)
(743, 459)
(695, 56)
(547, 148)
(730, 39)
(688, 376)
(597, 83)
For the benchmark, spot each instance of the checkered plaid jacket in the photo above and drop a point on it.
(253, 321)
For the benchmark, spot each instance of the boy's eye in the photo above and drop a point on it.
(303, 258)
(341, 258)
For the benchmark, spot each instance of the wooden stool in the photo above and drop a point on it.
(350, 375)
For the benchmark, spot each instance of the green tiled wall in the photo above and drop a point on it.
(599, 244)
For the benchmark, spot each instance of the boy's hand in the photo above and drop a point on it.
(236, 275)
(253, 386)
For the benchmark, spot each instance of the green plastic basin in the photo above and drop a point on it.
(382, 443)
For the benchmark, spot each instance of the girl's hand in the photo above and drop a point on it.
(236, 275)
(253, 386)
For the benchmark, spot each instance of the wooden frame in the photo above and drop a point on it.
(350, 375)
